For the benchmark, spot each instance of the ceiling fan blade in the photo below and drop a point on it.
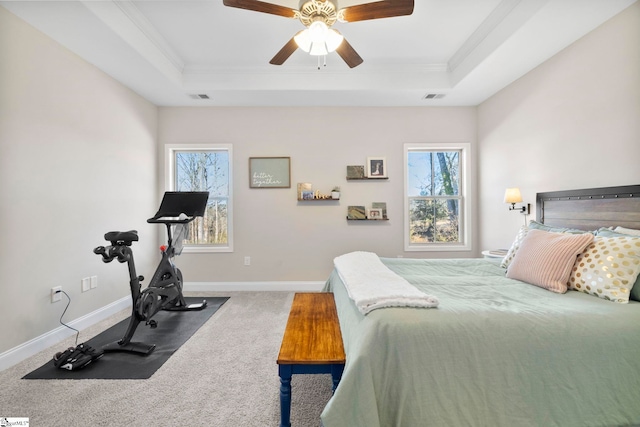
(377, 10)
(284, 54)
(349, 54)
(260, 6)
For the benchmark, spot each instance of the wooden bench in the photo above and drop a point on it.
(312, 344)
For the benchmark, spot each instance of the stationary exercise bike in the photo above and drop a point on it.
(164, 291)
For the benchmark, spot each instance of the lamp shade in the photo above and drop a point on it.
(512, 195)
(318, 39)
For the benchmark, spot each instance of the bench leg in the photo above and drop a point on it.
(285, 373)
(336, 375)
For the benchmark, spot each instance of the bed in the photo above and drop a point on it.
(496, 351)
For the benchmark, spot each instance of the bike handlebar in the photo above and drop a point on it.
(101, 250)
(121, 252)
(170, 220)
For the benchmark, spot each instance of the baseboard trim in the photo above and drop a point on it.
(36, 345)
(308, 286)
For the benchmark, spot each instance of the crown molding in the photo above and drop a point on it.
(126, 20)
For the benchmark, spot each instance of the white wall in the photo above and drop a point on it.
(78, 157)
(81, 155)
(573, 122)
(297, 241)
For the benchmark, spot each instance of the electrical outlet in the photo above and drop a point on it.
(86, 284)
(247, 260)
(94, 282)
(55, 294)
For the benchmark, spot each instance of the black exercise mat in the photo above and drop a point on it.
(174, 329)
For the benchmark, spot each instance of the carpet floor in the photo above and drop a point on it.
(224, 375)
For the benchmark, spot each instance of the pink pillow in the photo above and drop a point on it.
(545, 259)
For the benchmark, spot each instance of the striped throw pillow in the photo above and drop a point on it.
(546, 259)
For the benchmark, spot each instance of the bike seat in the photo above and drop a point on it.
(122, 236)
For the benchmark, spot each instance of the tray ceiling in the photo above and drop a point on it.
(460, 52)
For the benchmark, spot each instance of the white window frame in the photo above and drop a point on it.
(169, 185)
(465, 205)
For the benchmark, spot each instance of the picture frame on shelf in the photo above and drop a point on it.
(307, 195)
(355, 172)
(382, 206)
(356, 212)
(374, 213)
(269, 172)
(376, 167)
(303, 186)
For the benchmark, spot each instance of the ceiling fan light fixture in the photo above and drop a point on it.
(303, 40)
(318, 49)
(318, 39)
(318, 31)
(333, 40)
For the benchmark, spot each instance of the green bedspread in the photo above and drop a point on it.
(496, 352)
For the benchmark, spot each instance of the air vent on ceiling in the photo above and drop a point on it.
(199, 96)
(434, 96)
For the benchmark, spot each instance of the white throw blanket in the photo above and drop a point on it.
(372, 285)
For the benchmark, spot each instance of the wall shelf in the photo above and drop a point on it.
(367, 179)
(367, 219)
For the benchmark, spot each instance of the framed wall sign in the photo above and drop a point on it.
(376, 167)
(270, 172)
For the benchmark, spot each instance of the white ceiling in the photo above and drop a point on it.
(169, 50)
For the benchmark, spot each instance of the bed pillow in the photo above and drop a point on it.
(523, 232)
(608, 268)
(539, 226)
(629, 231)
(605, 232)
(514, 247)
(545, 259)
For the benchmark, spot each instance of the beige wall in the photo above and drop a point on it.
(69, 133)
(573, 122)
(78, 158)
(291, 241)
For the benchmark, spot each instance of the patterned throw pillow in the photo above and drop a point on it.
(514, 247)
(605, 232)
(607, 268)
(545, 259)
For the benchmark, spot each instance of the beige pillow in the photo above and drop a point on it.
(608, 268)
(545, 259)
(514, 247)
(629, 231)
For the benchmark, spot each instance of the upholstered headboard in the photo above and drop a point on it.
(590, 209)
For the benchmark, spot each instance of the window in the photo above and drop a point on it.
(204, 168)
(436, 212)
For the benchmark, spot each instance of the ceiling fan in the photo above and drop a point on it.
(318, 16)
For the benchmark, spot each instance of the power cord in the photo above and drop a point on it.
(65, 310)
